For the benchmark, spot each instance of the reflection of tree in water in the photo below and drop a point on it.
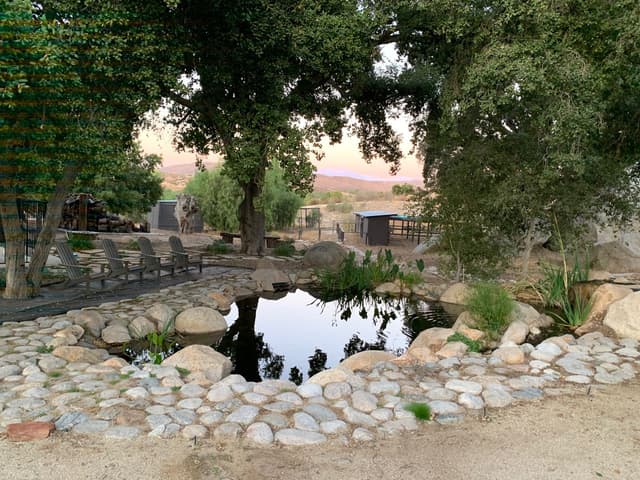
(246, 349)
(317, 362)
(420, 315)
(356, 344)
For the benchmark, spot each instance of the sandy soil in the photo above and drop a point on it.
(580, 437)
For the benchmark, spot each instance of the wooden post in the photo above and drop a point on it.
(82, 212)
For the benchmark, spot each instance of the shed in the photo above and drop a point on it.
(373, 226)
(162, 217)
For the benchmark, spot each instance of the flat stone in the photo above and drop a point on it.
(440, 407)
(355, 417)
(528, 394)
(583, 379)
(29, 431)
(227, 431)
(464, 386)
(244, 415)
(382, 414)
(279, 407)
(309, 390)
(304, 421)
(137, 393)
(259, 433)
(91, 426)
(576, 367)
(294, 437)
(608, 378)
(183, 417)
(628, 352)
(364, 401)
(320, 412)
(190, 403)
(211, 418)
(362, 435)
(195, 431)
(8, 370)
(382, 387)
(220, 393)
(155, 421)
(192, 390)
(276, 420)
(50, 363)
(472, 402)
(334, 427)
(122, 432)
(290, 397)
(255, 398)
(496, 396)
(441, 394)
(337, 390)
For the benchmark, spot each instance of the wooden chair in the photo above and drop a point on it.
(184, 258)
(118, 266)
(152, 261)
(77, 272)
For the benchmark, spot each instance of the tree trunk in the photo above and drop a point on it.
(252, 221)
(16, 275)
(51, 223)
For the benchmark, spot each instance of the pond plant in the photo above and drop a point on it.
(491, 307)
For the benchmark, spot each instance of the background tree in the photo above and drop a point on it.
(282, 73)
(78, 78)
(535, 116)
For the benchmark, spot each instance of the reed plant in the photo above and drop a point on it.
(491, 306)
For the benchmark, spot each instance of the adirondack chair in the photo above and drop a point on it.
(184, 258)
(77, 272)
(118, 266)
(152, 261)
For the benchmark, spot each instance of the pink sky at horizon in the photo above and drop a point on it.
(339, 159)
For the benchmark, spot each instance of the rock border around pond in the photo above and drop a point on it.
(83, 389)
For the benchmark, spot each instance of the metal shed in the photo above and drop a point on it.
(162, 217)
(373, 226)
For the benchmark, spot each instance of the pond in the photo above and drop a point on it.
(297, 336)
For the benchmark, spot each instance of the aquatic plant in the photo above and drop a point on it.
(491, 306)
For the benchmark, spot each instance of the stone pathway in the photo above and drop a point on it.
(102, 395)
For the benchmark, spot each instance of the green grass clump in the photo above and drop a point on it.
(284, 249)
(474, 345)
(183, 371)
(422, 411)
(491, 306)
(80, 242)
(219, 247)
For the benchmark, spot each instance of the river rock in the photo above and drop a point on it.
(516, 332)
(80, 354)
(431, 338)
(222, 301)
(366, 360)
(604, 296)
(163, 316)
(509, 355)
(525, 313)
(199, 320)
(325, 255)
(452, 349)
(294, 437)
(421, 354)
(623, 316)
(259, 433)
(116, 334)
(456, 293)
(140, 327)
(91, 320)
(201, 358)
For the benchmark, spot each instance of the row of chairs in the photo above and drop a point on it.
(112, 267)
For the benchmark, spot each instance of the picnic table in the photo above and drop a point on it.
(270, 240)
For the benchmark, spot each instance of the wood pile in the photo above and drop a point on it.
(83, 212)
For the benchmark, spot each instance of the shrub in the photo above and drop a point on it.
(422, 411)
(219, 247)
(491, 306)
(78, 241)
(284, 249)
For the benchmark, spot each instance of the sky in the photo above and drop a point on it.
(340, 159)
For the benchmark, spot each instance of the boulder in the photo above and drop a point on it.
(325, 255)
(421, 354)
(525, 313)
(464, 319)
(509, 355)
(201, 358)
(91, 320)
(456, 293)
(332, 375)
(199, 320)
(516, 332)
(222, 301)
(140, 327)
(80, 354)
(389, 288)
(623, 316)
(604, 296)
(470, 333)
(116, 334)
(162, 315)
(75, 331)
(431, 338)
(452, 349)
(615, 257)
(366, 360)
(28, 431)
(266, 275)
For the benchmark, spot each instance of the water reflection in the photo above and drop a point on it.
(299, 334)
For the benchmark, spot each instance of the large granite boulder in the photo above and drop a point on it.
(326, 255)
(116, 334)
(431, 338)
(623, 316)
(266, 275)
(615, 257)
(604, 296)
(163, 316)
(201, 358)
(456, 294)
(91, 320)
(81, 354)
(366, 360)
(200, 320)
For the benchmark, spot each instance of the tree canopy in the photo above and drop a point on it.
(535, 115)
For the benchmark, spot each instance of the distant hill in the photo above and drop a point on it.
(177, 176)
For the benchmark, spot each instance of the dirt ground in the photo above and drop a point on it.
(594, 435)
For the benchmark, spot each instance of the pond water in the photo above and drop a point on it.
(296, 336)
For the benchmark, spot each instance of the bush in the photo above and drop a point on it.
(219, 247)
(284, 248)
(78, 241)
(474, 345)
(491, 306)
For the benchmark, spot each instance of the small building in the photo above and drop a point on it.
(373, 226)
(162, 217)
